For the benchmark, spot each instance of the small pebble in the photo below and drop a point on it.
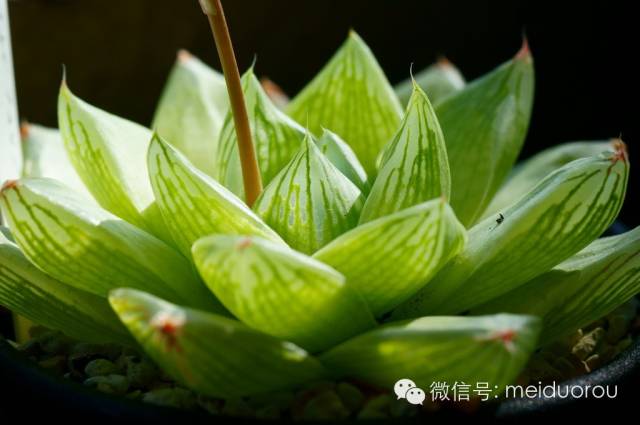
(110, 384)
(100, 367)
(171, 397)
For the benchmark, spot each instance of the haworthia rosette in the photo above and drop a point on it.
(467, 350)
(45, 156)
(485, 125)
(276, 138)
(281, 292)
(351, 96)
(26, 290)
(310, 202)
(192, 110)
(557, 218)
(87, 247)
(211, 354)
(582, 289)
(387, 260)
(109, 154)
(343, 158)
(526, 175)
(438, 80)
(195, 205)
(414, 167)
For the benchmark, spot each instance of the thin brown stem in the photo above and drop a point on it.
(250, 171)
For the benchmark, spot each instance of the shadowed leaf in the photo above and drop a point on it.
(560, 216)
(192, 110)
(211, 354)
(310, 202)
(193, 204)
(343, 158)
(281, 292)
(491, 349)
(387, 260)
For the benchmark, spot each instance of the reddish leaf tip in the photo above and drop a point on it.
(184, 56)
(24, 129)
(620, 151)
(8, 185)
(244, 243)
(525, 52)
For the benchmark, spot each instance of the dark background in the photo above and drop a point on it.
(118, 52)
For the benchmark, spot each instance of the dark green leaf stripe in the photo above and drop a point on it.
(276, 138)
(211, 354)
(470, 350)
(351, 96)
(414, 167)
(310, 202)
(387, 260)
(26, 290)
(560, 216)
(485, 125)
(88, 248)
(109, 154)
(526, 175)
(195, 205)
(344, 159)
(582, 289)
(192, 110)
(281, 292)
(438, 80)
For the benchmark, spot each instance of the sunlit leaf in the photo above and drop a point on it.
(26, 290)
(485, 125)
(45, 156)
(109, 154)
(88, 248)
(351, 96)
(281, 292)
(526, 175)
(438, 80)
(557, 218)
(387, 260)
(414, 167)
(343, 158)
(211, 354)
(310, 202)
(582, 289)
(192, 110)
(470, 350)
(276, 138)
(195, 205)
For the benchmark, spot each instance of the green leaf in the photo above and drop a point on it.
(192, 110)
(10, 152)
(581, 290)
(88, 248)
(471, 350)
(414, 167)
(438, 80)
(343, 158)
(281, 292)
(485, 125)
(351, 96)
(526, 175)
(389, 259)
(560, 216)
(211, 354)
(193, 204)
(45, 156)
(276, 138)
(310, 202)
(26, 290)
(109, 154)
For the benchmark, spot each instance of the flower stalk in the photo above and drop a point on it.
(250, 170)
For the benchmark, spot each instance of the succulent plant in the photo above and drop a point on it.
(386, 244)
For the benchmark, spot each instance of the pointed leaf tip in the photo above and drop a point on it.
(620, 151)
(24, 130)
(8, 185)
(525, 52)
(184, 56)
